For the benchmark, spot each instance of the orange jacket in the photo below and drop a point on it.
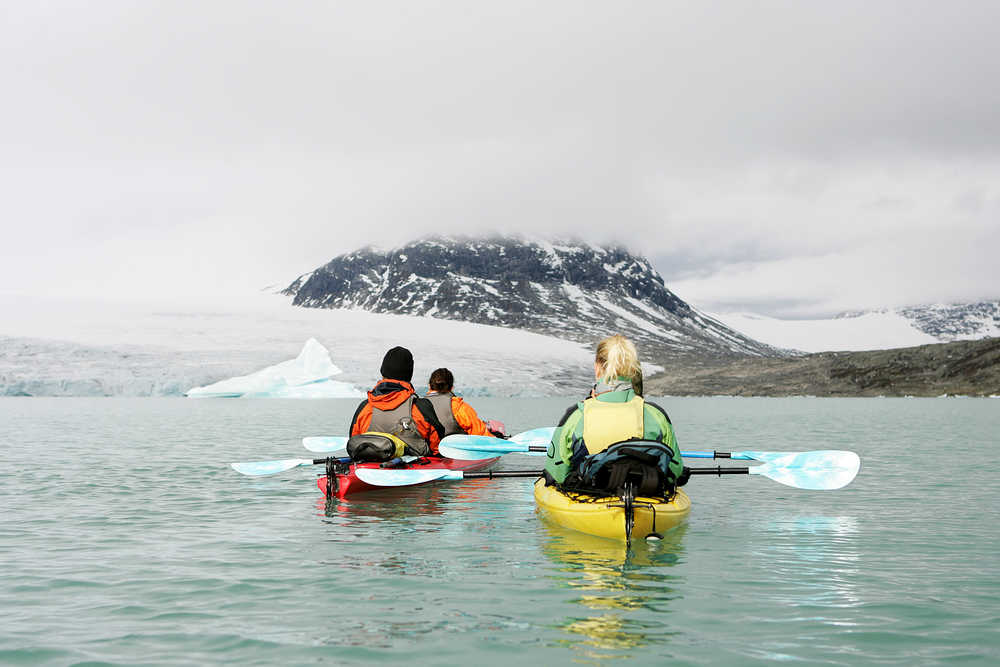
(388, 394)
(467, 417)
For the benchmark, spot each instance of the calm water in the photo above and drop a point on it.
(124, 537)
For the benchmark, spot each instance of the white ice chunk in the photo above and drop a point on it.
(306, 376)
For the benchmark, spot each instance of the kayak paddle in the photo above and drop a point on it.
(260, 468)
(325, 443)
(464, 448)
(818, 471)
(536, 436)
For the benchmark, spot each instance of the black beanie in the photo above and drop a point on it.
(397, 365)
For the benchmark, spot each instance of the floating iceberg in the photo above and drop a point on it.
(306, 376)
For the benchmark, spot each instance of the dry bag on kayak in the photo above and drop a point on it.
(646, 462)
(375, 447)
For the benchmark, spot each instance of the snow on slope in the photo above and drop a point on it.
(70, 348)
(875, 329)
(870, 331)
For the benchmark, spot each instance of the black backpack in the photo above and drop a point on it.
(645, 462)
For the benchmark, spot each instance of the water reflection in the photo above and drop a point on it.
(814, 558)
(628, 589)
(405, 503)
(400, 504)
(382, 529)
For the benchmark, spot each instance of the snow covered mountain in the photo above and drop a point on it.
(575, 291)
(956, 321)
(886, 328)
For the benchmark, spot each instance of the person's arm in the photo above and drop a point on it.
(467, 418)
(658, 427)
(560, 451)
(428, 425)
(361, 420)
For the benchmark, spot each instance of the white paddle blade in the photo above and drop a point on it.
(823, 470)
(403, 477)
(324, 443)
(536, 437)
(260, 468)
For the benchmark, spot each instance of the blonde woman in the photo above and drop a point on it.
(613, 413)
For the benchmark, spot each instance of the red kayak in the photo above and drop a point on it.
(346, 482)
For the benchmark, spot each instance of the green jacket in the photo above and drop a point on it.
(567, 450)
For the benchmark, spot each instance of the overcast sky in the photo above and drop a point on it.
(789, 158)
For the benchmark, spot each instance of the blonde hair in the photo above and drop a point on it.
(618, 357)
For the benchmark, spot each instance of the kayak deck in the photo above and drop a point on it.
(601, 516)
(347, 482)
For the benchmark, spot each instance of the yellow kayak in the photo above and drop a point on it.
(605, 517)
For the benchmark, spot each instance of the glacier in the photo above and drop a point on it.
(51, 346)
(306, 376)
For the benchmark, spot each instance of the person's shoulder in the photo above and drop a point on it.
(657, 409)
(361, 408)
(569, 413)
(425, 409)
(422, 403)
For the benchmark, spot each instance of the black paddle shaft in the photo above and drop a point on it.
(717, 455)
(502, 473)
(717, 470)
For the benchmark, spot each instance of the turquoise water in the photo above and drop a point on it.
(125, 538)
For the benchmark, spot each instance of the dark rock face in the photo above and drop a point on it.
(956, 321)
(967, 368)
(566, 289)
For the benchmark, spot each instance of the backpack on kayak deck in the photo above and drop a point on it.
(375, 447)
(645, 462)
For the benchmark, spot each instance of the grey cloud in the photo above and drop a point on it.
(708, 136)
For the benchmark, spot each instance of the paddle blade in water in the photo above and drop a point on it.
(395, 477)
(822, 470)
(259, 468)
(325, 443)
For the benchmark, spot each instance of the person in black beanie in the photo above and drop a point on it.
(393, 407)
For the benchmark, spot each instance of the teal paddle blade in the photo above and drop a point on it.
(484, 443)
(535, 437)
(822, 470)
(463, 454)
(520, 443)
(397, 477)
(260, 468)
(325, 443)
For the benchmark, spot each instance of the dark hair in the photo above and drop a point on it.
(441, 380)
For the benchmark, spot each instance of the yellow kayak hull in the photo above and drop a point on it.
(597, 518)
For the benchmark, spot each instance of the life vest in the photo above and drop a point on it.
(445, 415)
(605, 423)
(399, 422)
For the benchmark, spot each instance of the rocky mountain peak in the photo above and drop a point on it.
(569, 289)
